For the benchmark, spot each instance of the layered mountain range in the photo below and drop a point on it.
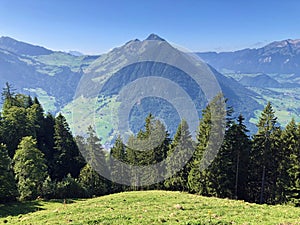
(281, 57)
(69, 82)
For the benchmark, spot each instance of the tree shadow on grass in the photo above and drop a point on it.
(18, 208)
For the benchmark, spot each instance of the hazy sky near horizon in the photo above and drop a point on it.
(96, 26)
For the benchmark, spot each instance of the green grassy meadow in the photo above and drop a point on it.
(147, 207)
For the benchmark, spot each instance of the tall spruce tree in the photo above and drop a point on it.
(209, 140)
(47, 141)
(262, 156)
(149, 147)
(229, 169)
(93, 182)
(289, 144)
(293, 191)
(241, 146)
(90, 175)
(183, 146)
(117, 168)
(66, 156)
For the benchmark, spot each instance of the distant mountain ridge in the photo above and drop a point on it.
(22, 48)
(54, 76)
(35, 70)
(276, 57)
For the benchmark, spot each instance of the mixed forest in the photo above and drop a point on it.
(40, 158)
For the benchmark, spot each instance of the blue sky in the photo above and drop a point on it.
(96, 26)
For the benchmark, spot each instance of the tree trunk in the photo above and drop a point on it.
(262, 190)
(237, 176)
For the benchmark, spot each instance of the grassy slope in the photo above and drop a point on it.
(148, 207)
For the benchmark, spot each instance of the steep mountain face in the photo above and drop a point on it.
(278, 57)
(113, 72)
(34, 70)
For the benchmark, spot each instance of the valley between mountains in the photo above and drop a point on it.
(249, 78)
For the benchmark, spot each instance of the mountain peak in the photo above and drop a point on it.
(154, 37)
(284, 43)
(22, 48)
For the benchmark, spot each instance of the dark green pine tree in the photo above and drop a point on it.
(197, 178)
(209, 140)
(35, 115)
(179, 153)
(94, 154)
(94, 184)
(117, 168)
(30, 169)
(261, 158)
(46, 141)
(286, 173)
(132, 159)
(8, 188)
(229, 168)
(240, 143)
(66, 156)
(292, 145)
(148, 148)
(275, 193)
(161, 152)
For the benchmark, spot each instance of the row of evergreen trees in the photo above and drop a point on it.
(40, 157)
(263, 169)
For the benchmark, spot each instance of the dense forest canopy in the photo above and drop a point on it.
(39, 157)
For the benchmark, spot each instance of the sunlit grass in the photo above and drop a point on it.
(149, 207)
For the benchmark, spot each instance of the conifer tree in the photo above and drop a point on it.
(262, 168)
(117, 169)
(229, 168)
(46, 142)
(8, 188)
(292, 146)
(241, 146)
(209, 140)
(66, 156)
(148, 148)
(92, 181)
(183, 146)
(95, 155)
(90, 175)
